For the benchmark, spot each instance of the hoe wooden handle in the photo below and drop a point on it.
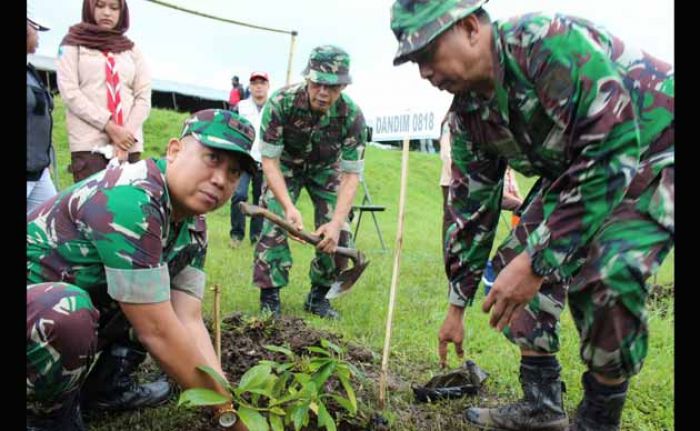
(254, 210)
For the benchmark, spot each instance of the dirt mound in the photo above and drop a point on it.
(242, 345)
(243, 341)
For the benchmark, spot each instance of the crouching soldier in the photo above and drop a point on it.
(115, 262)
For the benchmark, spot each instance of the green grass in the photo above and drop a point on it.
(422, 291)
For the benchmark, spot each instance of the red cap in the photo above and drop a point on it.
(262, 75)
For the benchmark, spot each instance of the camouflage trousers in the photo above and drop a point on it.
(272, 257)
(606, 288)
(66, 332)
(62, 326)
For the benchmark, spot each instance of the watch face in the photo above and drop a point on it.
(543, 272)
(537, 268)
(227, 419)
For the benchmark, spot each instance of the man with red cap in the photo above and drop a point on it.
(251, 110)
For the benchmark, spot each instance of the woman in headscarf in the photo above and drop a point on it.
(106, 87)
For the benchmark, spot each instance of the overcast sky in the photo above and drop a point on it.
(191, 49)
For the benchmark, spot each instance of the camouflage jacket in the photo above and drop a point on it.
(573, 105)
(291, 131)
(112, 234)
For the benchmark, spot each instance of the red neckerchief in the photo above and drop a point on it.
(114, 101)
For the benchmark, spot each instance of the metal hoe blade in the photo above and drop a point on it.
(347, 278)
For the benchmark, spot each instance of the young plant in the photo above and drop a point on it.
(273, 395)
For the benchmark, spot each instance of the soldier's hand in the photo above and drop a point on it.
(514, 287)
(330, 232)
(293, 216)
(451, 331)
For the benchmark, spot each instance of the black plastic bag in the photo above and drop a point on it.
(466, 380)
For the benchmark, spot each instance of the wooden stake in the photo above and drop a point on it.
(217, 321)
(291, 55)
(394, 276)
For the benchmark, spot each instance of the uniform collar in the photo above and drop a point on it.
(500, 95)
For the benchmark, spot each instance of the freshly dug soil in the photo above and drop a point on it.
(242, 347)
(242, 344)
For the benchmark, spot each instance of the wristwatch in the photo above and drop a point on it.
(226, 417)
(538, 266)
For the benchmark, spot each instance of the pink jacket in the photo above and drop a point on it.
(81, 82)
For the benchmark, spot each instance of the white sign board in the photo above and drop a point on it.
(397, 125)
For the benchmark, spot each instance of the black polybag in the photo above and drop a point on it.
(465, 380)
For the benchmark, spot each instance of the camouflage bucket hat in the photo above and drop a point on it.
(416, 23)
(328, 64)
(225, 130)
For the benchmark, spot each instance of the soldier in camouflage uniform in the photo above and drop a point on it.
(311, 136)
(120, 255)
(561, 98)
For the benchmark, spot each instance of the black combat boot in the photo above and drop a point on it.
(601, 406)
(66, 418)
(317, 303)
(541, 408)
(270, 301)
(110, 385)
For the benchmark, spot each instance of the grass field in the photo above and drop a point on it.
(422, 291)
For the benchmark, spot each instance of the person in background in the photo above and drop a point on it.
(251, 110)
(106, 87)
(236, 94)
(39, 124)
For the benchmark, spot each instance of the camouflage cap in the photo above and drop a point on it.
(225, 130)
(328, 64)
(416, 23)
